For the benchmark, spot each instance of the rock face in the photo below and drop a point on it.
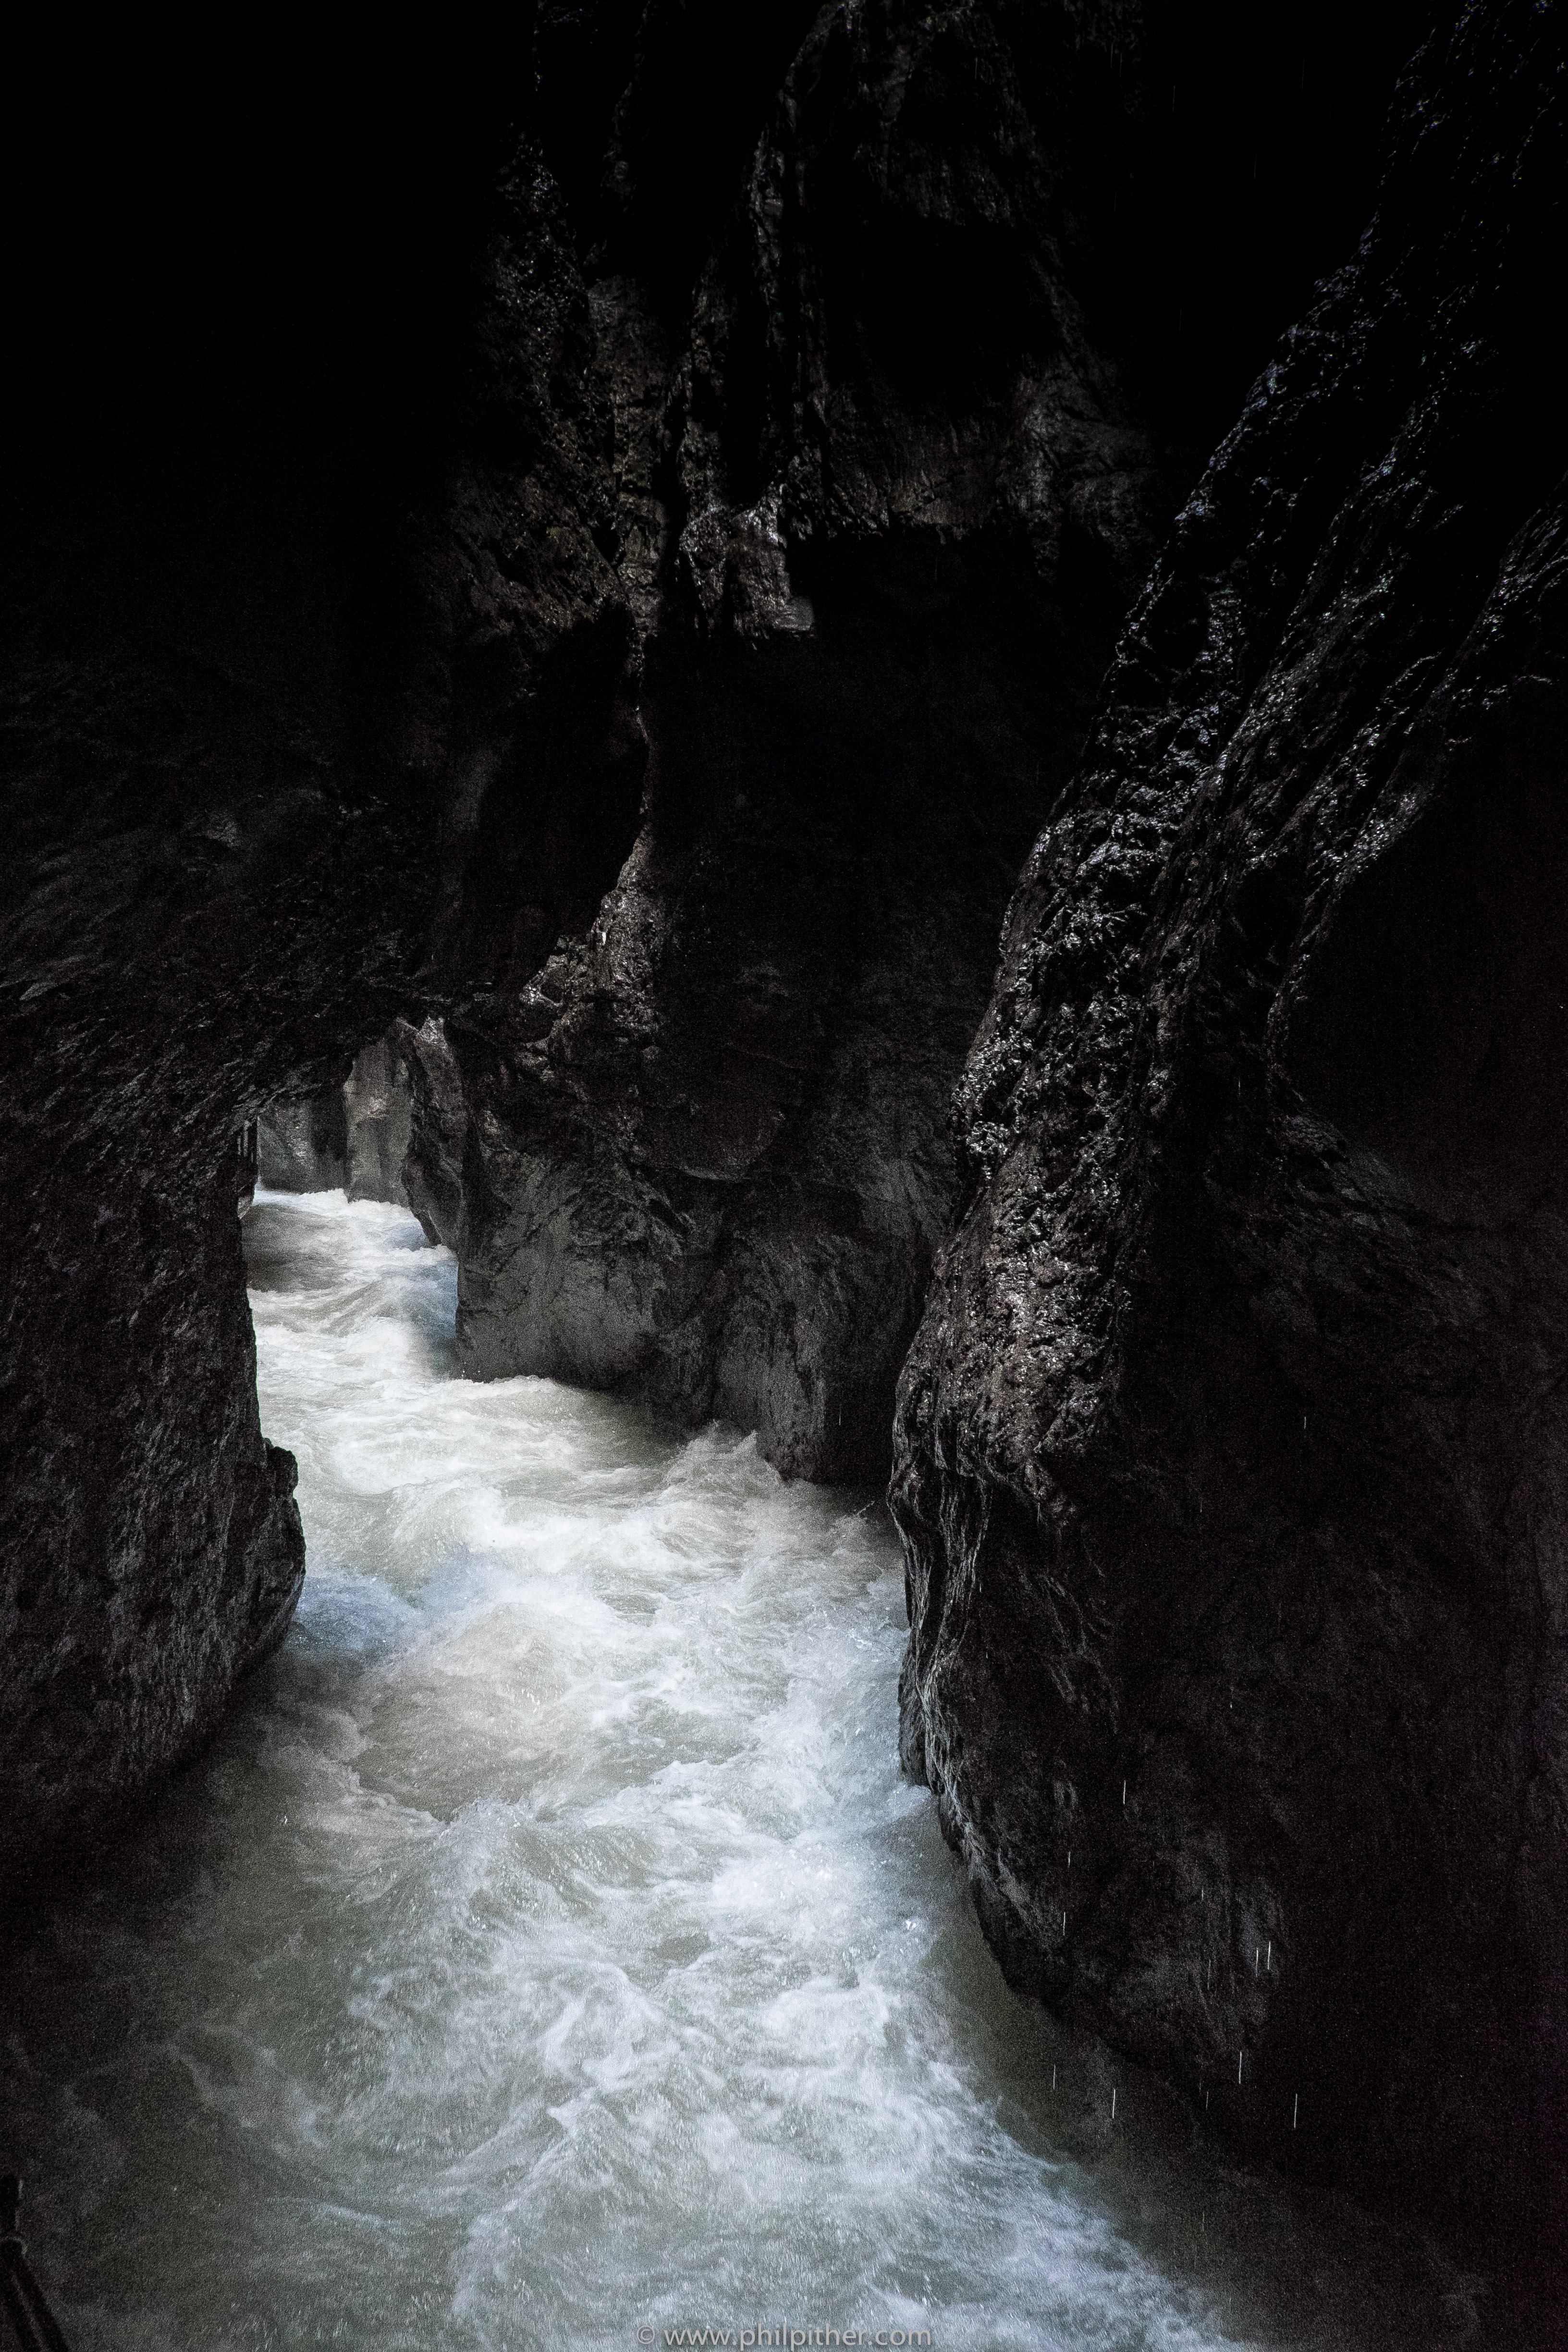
(1232, 1461)
(875, 540)
(377, 1115)
(198, 912)
(303, 1147)
(887, 469)
(150, 1584)
(352, 1138)
(258, 645)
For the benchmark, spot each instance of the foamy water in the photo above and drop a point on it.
(549, 1950)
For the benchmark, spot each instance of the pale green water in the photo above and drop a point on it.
(549, 1948)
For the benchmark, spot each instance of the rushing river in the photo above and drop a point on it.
(549, 1955)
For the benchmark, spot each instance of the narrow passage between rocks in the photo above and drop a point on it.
(548, 1951)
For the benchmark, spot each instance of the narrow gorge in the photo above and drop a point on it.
(868, 694)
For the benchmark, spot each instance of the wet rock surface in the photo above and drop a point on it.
(602, 598)
(890, 452)
(377, 1115)
(253, 647)
(303, 1147)
(1231, 1454)
(880, 497)
(352, 1138)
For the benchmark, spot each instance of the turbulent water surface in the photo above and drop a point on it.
(549, 1954)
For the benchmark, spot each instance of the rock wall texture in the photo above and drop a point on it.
(890, 454)
(1232, 1458)
(377, 1115)
(303, 1147)
(599, 585)
(711, 1159)
(352, 1138)
(258, 643)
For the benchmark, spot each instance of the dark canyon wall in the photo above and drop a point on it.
(881, 499)
(281, 424)
(899, 403)
(1232, 1455)
(353, 1137)
(599, 587)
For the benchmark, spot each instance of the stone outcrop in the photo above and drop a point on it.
(879, 499)
(886, 468)
(303, 1147)
(165, 1554)
(267, 625)
(351, 1139)
(1232, 1460)
(378, 1117)
(614, 639)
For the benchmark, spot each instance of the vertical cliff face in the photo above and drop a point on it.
(378, 1117)
(171, 839)
(903, 330)
(1230, 1455)
(351, 1138)
(160, 1553)
(267, 617)
(890, 453)
(605, 601)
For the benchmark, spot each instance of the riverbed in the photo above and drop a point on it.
(548, 1952)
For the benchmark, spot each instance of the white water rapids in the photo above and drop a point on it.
(548, 1949)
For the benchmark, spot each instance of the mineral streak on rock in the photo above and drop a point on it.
(1232, 1458)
